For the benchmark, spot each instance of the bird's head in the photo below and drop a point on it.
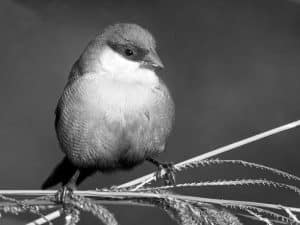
(125, 51)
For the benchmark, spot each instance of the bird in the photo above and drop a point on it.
(115, 111)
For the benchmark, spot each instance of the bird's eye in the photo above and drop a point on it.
(128, 52)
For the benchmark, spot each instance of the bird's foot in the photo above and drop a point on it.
(63, 193)
(68, 189)
(166, 171)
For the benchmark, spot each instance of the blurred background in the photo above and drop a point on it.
(232, 67)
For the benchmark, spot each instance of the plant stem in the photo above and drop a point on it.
(148, 178)
(47, 218)
(111, 197)
(139, 182)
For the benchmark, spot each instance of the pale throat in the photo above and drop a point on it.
(121, 69)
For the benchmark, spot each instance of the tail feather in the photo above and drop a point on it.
(62, 173)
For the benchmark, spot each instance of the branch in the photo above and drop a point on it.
(140, 182)
(150, 177)
(47, 218)
(125, 197)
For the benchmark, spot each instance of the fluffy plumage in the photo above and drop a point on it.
(114, 111)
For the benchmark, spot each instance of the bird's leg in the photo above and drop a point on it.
(65, 193)
(68, 188)
(167, 167)
(72, 184)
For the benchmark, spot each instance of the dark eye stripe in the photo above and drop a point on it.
(138, 53)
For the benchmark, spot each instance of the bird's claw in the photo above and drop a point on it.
(63, 193)
(166, 172)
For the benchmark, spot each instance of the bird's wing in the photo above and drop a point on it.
(75, 72)
(57, 114)
(73, 75)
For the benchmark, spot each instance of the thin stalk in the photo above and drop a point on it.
(47, 218)
(119, 198)
(139, 182)
(150, 177)
(110, 196)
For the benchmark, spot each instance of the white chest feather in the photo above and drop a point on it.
(118, 85)
(115, 99)
(124, 70)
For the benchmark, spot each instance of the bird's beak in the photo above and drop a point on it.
(152, 59)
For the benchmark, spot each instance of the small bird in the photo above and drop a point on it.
(115, 112)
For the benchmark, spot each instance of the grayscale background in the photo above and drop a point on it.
(232, 66)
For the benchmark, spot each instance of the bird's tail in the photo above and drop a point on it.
(62, 173)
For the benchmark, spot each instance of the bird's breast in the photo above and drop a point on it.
(104, 122)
